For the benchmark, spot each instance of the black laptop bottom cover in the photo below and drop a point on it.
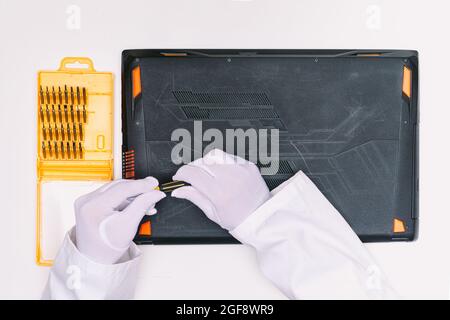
(343, 119)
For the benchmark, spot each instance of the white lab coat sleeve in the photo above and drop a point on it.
(75, 276)
(306, 248)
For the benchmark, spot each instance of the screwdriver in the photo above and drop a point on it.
(166, 187)
(170, 186)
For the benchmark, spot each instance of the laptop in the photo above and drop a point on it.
(347, 118)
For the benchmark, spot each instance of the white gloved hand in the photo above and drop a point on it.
(107, 218)
(225, 187)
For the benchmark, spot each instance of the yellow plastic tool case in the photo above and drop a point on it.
(74, 144)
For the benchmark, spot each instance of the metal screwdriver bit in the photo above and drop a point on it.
(44, 153)
(41, 95)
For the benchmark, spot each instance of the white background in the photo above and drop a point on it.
(35, 35)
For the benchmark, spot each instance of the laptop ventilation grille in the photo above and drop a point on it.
(230, 113)
(273, 181)
(252, 98)
(225, 105)
(284, 167)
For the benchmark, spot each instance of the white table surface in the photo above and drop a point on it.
(35, 35)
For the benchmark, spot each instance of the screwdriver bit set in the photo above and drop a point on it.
(63, 115)
(75, 129)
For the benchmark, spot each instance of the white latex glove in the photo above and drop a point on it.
(225, 187)
(107, 218)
